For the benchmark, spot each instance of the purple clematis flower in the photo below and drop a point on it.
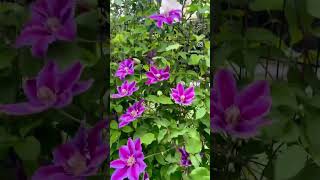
(239, 113)
(183, 96)
(126, 89)
(51, 20)
(170, 12)
(126, 67)
(146, 176)
(156, 75)
(51, 89)
(184, 161)
(78, 158)
(131, 163)
(133, 112)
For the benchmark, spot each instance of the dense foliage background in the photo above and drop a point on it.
(164, 126)
(26, 142)
(277, 40)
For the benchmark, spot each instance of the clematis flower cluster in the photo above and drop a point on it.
(130, 163)
(51, 20)
(52, 88)
(170, 12)
(78, 158)
(239, 113)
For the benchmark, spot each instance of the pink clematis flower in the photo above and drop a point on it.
(156, 75)
(126, 67)
(183, 96)
(239, 114)
(126, 89)
(51, 20)
(51, 89)
(78, 158)
(133, 112)
(170, 12)
(131, 162)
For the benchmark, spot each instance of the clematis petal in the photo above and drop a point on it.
(259, 109)
(20, 109)
(119, 174)
(95, 135)
(47, 76)
(40, 47)
(30, 35)
(117, 164)
(133, 173)
(124, 152)
(68, 32)
(137, 144)
(81, 87)
(180, 89)
(30, 90)
(225, 86)
(131, 146)
(70, 76)
(250, 94)
(99, 156)
(62, 153)
(64, 99)
(51, 173)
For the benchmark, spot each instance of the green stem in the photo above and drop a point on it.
(159, 152)
(69, 116)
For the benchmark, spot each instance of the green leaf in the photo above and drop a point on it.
(159, 99)
(194, 59)
(200, 173)
(282, 95)
(262, 5)
(127, 129)
(313, 7)
(114, 136)
(28, 149)
(162, 133)
(148, 138)
(200, 112)
(195, 162)
(290, 162)
(172, 47)
(193, 142)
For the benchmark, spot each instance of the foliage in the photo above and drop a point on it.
(164, 126)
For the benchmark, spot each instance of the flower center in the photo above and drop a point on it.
(158, 76)
(133, 113)
(232, 114)
(126, 69)
(182, 98)
(46, 95)
(77, 164)
(124, 91)
(54, 24)
(131, 161)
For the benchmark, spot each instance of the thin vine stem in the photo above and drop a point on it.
(159, 153)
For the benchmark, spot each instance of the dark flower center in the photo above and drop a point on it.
(54, 24)
(232, 114)
(46, 95)
(131, 161)
(77, 164)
